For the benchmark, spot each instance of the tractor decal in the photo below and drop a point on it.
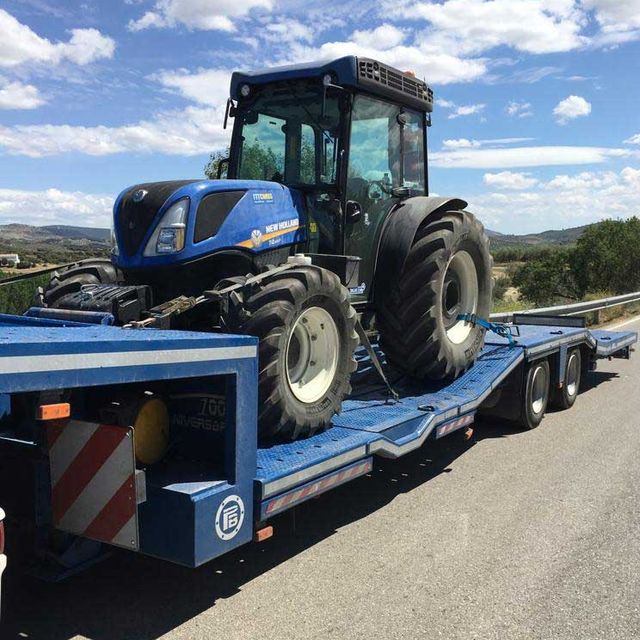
(273, 231)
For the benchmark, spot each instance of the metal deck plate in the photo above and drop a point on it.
(608, 342)
(370, 423)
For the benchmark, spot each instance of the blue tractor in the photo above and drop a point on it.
(322, 231)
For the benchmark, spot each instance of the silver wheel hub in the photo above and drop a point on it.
(572, 375)
(459, 295)
(538, 390)
(312, 353)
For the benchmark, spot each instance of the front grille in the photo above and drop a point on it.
(135, 218)
(371, 72)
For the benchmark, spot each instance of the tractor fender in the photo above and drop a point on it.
(398, 234)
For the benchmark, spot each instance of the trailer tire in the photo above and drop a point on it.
(536, 394)
(71, 280)
(565, 397)
(306, 328)
(447, 272)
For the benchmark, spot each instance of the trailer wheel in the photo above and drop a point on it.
(565, 397)
(307, 337)
(71, 280)
(447, 272)
(536, 394)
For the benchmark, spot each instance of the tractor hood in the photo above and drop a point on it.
(163, 223)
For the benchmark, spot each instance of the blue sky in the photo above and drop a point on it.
(536, 121)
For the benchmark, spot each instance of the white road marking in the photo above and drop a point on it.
(624, 323)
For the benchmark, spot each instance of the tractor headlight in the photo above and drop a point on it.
(169, 234)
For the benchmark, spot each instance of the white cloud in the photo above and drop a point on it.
(570, 108)
(55, 207)
(633, 139)
(616, 16)
(207, 15)
(564, 201)
(476, 26)
(466, 110)
(192, 131)
(20, 45)
(287, 30)
(509, 180)
(465, 143)
(206, 86)
(517, 109)
(509, 157)
(460, 143)
(385, 36)
(16, 95)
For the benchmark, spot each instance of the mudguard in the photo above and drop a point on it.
(398, 234)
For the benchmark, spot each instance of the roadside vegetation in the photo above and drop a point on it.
(603, 262)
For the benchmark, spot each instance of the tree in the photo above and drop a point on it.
(547, 279)
(606, 257)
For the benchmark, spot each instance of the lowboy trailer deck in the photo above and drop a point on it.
(75, 455)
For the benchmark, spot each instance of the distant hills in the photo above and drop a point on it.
(25, 232)
(544, 238)
(53, 244)
(63, 243)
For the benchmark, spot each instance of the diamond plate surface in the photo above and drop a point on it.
(291, 457)
(532, 336)
(609, 342)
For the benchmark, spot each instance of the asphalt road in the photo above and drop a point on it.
(513, 535)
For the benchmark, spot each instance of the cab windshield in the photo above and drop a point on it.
(287, 136)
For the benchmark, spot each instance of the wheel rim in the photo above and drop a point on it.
(539, 388)
(312, 354)
(573, 371)
(459, 295)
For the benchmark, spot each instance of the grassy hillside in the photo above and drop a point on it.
(53, 244)
(553, 237)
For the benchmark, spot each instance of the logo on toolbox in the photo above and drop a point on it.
(229, 517)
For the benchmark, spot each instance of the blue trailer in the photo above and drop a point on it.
(91, 459)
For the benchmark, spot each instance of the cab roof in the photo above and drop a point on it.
(361, 74)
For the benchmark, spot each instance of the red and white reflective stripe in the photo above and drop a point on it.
(318, 487)
(448, 427)
(93, 489)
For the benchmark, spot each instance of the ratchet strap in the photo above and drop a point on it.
(502, 330)
(364, 341)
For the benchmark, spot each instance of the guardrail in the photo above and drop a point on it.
(32, 274)
(575, 309)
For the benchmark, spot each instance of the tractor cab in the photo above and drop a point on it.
(350, 135)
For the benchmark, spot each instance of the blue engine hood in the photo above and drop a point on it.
(267, 216)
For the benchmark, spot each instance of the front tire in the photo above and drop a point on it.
(447, 272)
(73, 278)
(307, 337)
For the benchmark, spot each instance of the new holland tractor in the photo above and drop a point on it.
(322, 231)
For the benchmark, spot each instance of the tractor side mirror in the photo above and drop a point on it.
(353, 212)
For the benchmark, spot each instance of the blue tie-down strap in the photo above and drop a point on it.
(500, 329)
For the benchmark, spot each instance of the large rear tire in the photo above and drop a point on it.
(447, 272)
(71, 280)
(307, 337)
